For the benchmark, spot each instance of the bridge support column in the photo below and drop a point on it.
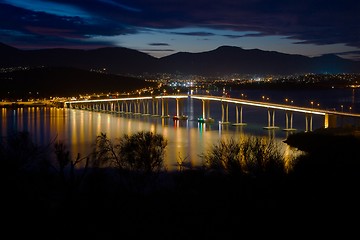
(203, 109)
(177, 107)
(122, 107)
(155, 107)
(137, 107)
(164, 108)
(145, 107)
(225, 113)
(271, 120)
(205, 112)
(330, 121)
(128, 107)
(287, 127)
(238, 115)
(208, 109)
(308, 123)
(179, 110)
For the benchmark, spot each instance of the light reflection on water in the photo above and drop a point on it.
(187, 140)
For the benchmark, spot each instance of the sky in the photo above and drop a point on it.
(164, 27)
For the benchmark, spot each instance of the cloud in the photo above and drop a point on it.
(307, 21)
(42, 29)
(352, 55)
(159, 44)
(123, 6)
(198, 34)
(233, 36)
(157, 50)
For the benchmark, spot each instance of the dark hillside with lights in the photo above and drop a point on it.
(61, 81)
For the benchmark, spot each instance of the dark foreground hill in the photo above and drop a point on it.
(50, 199)
(61, 81)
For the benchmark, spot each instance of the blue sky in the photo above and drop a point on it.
(160, 28)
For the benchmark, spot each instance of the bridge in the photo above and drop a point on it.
(157, 106)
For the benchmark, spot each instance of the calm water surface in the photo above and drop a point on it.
(186, 139)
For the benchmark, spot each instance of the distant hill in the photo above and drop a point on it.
(236, 60)
(115, 59)
(227, 59)
(220, 61)
(64, 81)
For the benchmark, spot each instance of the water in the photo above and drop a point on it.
(187, 140)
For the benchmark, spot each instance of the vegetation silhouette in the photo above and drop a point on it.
(249, 156)
(123, 190)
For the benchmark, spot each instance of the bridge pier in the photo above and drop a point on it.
(145, 104)
(225, 113)
(206, 112)
(127, 107)
(271, 120)
(179, 110)
(308, 122)
(330, 121)
(137, 107)
(164, 108)
(287, 127)
(239, 114)
(155, 107)
(177, 107)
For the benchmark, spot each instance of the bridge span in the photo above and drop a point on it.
(158, 106)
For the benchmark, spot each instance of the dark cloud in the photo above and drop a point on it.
(353, 55)
(199, 34)
(307, 21)
(34, 28)
(233, 36)
(157, 50)
(159, 44)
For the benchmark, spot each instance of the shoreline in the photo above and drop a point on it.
(27, 104)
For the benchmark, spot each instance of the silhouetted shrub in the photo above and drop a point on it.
(250, 156)
(141, 152)
(105, 153)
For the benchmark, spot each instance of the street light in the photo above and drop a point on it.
(312, 104)
(342, 108)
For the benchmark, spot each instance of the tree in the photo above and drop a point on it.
(143, 151)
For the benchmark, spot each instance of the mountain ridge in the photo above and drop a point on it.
(219, 61)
